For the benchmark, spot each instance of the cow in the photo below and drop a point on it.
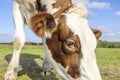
(22, 12)
(69, 43)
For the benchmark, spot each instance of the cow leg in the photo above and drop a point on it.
(46, 68)
(19, 41)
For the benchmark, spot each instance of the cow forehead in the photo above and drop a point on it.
(80, 27)
(77, 22)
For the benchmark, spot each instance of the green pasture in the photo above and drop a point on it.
(109, 63)
(32, 56)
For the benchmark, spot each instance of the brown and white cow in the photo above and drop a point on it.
(69, 43)
(22, 11)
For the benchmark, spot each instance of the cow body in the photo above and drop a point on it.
(22, 12)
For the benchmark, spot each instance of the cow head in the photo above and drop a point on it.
(70, 41)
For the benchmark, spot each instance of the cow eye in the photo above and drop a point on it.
(70, 43)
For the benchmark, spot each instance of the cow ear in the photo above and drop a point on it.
(40, 22)
(97, 33)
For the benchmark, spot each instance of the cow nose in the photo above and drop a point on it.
(50, 25)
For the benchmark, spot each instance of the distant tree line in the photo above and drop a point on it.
(107, 44)
(100, 44)
(33, 43)
(28, 43)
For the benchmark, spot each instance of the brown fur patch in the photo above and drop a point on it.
(67, 56)
(63, 5)
(42, 22)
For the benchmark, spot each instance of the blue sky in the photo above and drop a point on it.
(102, 14)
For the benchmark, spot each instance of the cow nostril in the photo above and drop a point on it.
(50, 24)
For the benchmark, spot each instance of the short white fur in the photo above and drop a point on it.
(79, 25)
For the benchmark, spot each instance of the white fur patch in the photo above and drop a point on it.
(78, 9)
(49, 6)
(79, 25)
(67, 68)
(48, 34)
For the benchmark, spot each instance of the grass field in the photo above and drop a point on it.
(31, 59)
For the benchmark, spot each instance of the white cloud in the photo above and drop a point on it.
(94, 4)
(90, 12)
(5, 34)
(85, 2)
(117, 13)
(6, 37)
(99, 5)
(109, 33)
(119, 33)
